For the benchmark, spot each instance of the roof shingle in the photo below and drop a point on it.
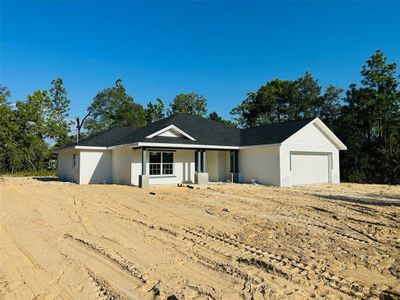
(205, 131)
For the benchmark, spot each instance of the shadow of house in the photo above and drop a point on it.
(366, 201)
(100, 172)
(46, 178)
(395, 197)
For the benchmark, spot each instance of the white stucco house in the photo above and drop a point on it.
(190, 149)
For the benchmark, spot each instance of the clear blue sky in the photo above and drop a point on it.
(219, 49)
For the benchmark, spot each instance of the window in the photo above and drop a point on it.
(161, 163)
(74, 160)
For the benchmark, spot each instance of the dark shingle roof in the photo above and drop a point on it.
(272, 133)
(205, 131)
(106, 138)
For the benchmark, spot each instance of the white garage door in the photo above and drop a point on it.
(309, 168)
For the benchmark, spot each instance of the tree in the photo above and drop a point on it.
(155, 112)
(9, 150)
(215, 117)
(4, 94)
(114, 107)
(329, 107)
(282, 100)
(58, 126)
(370, 124)
(31, 118)
(192, 103)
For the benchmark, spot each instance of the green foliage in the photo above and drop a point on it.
(283, 100)
(155, 112)
(32, 116)
(114, 107)
(25, 127)
(192, 103)
(215, 117)
(58, 126)
(41, 172)
(9, 150)
(370, 125)
(367, 121)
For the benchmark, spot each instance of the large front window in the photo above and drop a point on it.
(161, 163)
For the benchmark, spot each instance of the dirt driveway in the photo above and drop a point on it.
(64, 241)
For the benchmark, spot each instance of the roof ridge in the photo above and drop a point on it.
(280, 123)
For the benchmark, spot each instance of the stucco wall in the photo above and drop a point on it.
(136, 166)
(66, 170)
(121, 165)
(260, 163)
(95, 166)
(212, 165)
(308, 139)
(217, 166)
(183, 169)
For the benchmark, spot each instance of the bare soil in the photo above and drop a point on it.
(231, 241)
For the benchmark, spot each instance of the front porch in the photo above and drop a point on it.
(159, 165)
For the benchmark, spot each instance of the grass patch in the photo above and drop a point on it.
(43, 172)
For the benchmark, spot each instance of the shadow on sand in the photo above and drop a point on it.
(47, 178)
(378, 201)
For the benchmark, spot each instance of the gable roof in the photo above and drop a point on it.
(172, 129)
(272, 133)
(195, 130)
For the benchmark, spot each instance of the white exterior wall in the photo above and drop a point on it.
(183, 169)
(308, 139)
(66, 170)
(217, 167)
(136, 166)
(95, 166)
(259, 163)
(121, 165)
(223, 165)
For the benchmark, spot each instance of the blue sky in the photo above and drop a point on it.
(219, 49)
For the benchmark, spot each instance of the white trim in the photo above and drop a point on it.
(134, 145)
(173, 127)
(325, 130)
(316, 121)
(260, 146)
(330, 134)
(65, 149)
(81, 148)
(90, 148)
(190, 146)
(162, 163)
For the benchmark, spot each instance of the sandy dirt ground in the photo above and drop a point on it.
(64, 241)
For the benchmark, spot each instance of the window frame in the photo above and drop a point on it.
(162, 163)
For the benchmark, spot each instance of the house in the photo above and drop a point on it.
(190, 149)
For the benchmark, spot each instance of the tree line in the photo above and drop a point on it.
(366, 117)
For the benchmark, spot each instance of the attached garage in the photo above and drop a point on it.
(185, 148)
(309, 167)
(310, 155)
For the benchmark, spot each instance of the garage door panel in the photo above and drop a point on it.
(309, 168)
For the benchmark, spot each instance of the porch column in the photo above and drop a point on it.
(144, 160)
(236, 152)
(203, 162)
(234, 166)
(198, 161)
(201, 175)
(144, 178)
